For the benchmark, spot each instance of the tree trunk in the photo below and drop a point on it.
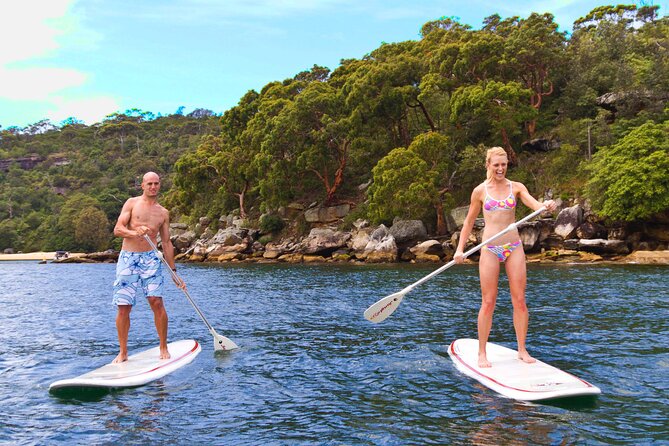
(241, 195)
(513, 159)
(442, 229)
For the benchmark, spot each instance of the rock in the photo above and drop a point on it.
(178, 227)
(658, 232)
(540, 145)
(205, 221)
(427, 258)
(553, 242)
(313, 259)
(408, 230)
(291, 211)
(429, 247)
(649, 257)
(459, 214)
(568, 220)
(327, 214)
(530, 234)
(216, 250)
(380, 248)
(323, 241)
(275, 250)
(229, 237)
(601, 246)
(360, 224)
(618, 232)
(108, 256)
(359, 240)
(183, 241)
(590, 230)
(230, 256)
(292, 258)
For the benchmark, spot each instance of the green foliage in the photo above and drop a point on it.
(270, 223)
(320, 134)
(403, 187)
(91, 229)
(629, 179)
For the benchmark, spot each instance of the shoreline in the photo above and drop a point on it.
(41, 255)
(636, 257)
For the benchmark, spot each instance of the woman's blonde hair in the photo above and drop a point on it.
(494, 151)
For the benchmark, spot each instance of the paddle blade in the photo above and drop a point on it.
(384, 307)
(221, 343)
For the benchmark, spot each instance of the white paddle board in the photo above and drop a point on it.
(513, 378)
(140, 368)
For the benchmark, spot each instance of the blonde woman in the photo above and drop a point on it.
(498, 196)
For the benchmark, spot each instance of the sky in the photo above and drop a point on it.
(89, 58)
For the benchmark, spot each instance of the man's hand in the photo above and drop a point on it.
(142, 230)
(178, 281)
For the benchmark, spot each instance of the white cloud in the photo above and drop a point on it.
(31, 28)
(37, 83)
(90, 109)
(33, 32)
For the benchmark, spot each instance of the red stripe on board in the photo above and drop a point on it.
(161, 365)
(459, 358)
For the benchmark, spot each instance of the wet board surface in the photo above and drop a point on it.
(513, 378)
(140, 368)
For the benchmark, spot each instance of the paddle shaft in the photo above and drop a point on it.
(511, 227)
(176, 279)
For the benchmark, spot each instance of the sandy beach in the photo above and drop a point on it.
(36, 256)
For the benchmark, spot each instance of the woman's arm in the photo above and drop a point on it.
(468, 225)
(531, 202)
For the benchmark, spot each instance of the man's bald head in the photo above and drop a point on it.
(151, 184)
(150, 176)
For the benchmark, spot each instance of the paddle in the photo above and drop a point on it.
(386, 306)
(221, 343)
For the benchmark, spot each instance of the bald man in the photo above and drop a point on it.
(139, 268)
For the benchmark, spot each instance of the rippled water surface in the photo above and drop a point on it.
(312, 370)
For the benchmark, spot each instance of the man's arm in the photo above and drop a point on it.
(168, 249)
(121, 229)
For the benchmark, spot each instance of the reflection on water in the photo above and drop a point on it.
(312, 370)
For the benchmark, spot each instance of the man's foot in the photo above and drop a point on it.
(525, 357)
(164, 354)
(483, 361)
(122, 357)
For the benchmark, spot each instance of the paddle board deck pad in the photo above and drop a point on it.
(140, 368)
(513, 378)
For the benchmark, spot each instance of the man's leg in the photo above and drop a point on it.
(122, 328)
(160, 318)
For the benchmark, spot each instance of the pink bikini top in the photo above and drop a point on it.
(505, 204)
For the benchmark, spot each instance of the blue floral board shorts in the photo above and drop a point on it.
(135, 271)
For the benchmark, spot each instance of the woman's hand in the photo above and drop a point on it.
(550, 205)
(459, 256)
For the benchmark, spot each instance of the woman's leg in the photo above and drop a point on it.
(516, 271)
(489, 276)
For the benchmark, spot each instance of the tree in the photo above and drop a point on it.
(91, 229)
(404, 186)
(439, 154)
(502, 107)
(68, 216)
(629, 179)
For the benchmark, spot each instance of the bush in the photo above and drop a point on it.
(270, 223)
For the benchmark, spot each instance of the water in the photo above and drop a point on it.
(312, 370)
